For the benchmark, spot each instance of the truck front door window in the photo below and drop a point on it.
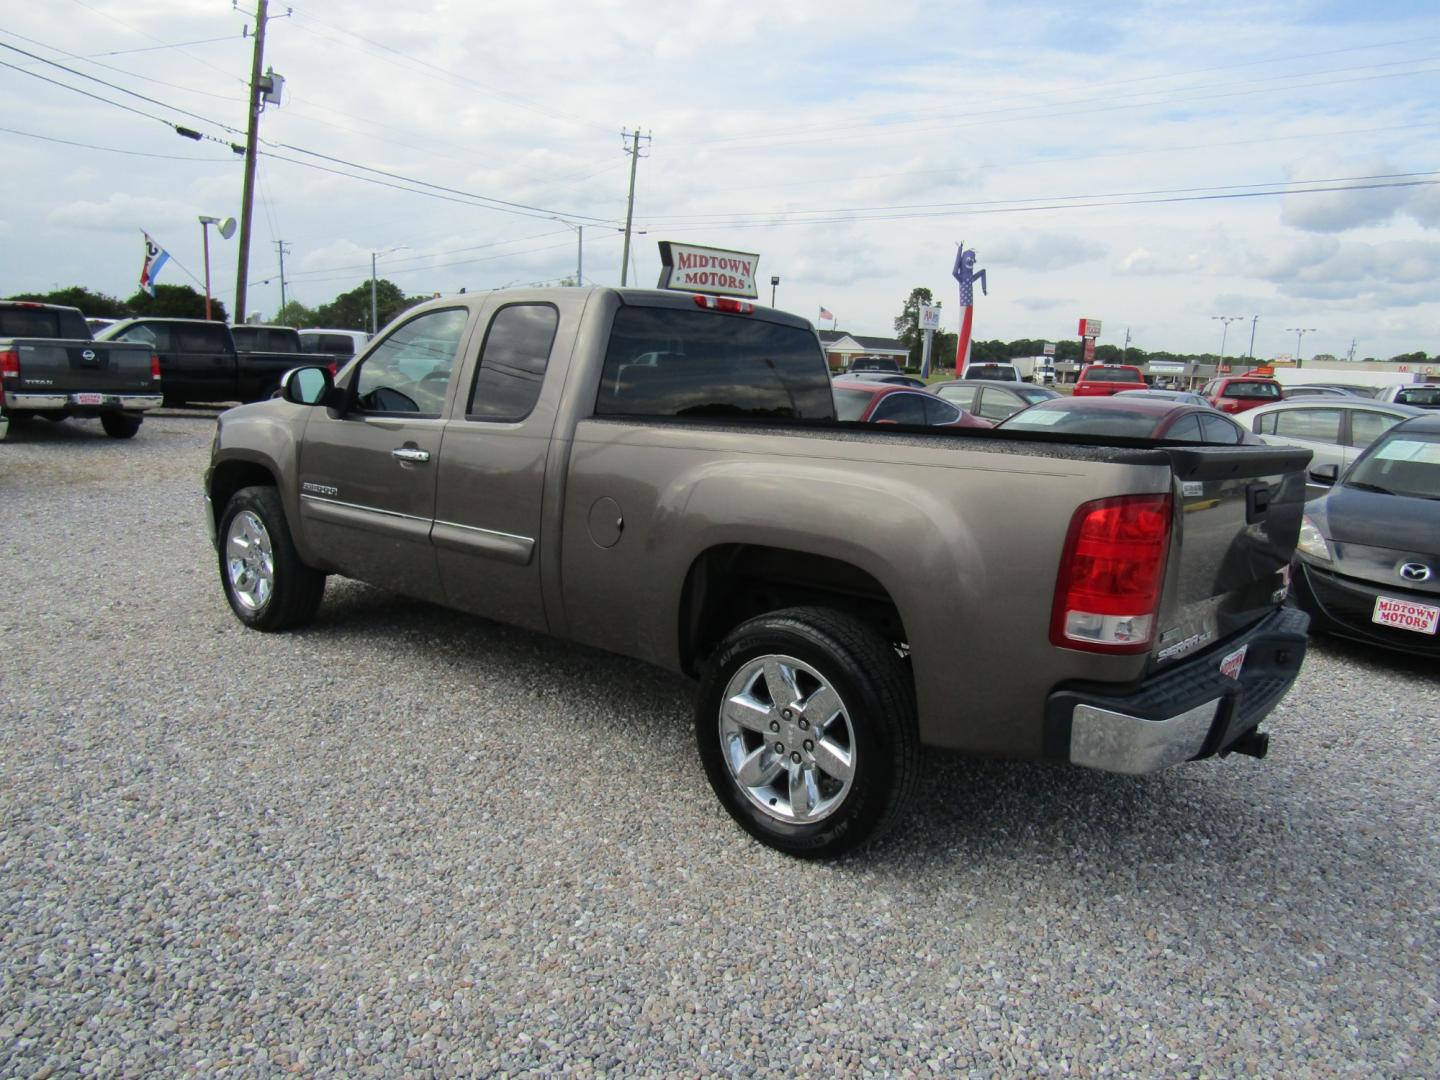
(409, 372)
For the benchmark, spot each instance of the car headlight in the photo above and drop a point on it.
(1312, 541)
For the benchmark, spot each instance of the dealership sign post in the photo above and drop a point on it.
(1089, 331)
(929, 323)
(687, 268)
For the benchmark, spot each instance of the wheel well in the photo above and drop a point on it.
(734, 582)
(229, 477)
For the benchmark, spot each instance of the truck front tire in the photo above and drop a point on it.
(805, 721)
(268, 586)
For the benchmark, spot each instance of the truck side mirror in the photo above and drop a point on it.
(307, 385)
(1325, 474)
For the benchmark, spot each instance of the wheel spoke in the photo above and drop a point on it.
(759, 768)
(804, 792)
(821, 707)
(748, 713)
(834, 760)
(780, 681)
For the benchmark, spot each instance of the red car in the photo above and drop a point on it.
(1132, 418)
(1235, 394)
(1102, 380)
(883, 403)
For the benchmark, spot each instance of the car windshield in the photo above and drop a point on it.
(1118, 374)
(1402, 463)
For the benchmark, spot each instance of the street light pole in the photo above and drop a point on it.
(1227, 320)
(1299, 337)
(374, 328)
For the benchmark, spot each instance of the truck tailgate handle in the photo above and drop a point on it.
(410, 453)
(1257, 502)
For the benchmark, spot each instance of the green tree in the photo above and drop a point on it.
(176, 302)
(907, 323)
(351, 310)
(296, 314)
(1409, 358)
(97, 305)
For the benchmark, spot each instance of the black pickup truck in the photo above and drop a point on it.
(208, 361)
(51, 367)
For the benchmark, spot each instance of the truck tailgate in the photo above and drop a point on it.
(67, 367)
(1238, 512)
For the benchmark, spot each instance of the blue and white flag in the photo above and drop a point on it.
(155, 258)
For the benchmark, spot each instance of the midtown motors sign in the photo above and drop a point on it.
(686, 268)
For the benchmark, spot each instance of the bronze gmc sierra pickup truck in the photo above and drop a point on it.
(661, 475)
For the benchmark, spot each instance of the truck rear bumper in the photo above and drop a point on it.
(78, 404)
(1192, 710)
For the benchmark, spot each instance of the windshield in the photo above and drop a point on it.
(1115, 374)
(1427, 397)
(1402, 463)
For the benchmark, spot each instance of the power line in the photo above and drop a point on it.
(113, 149)
(693, 226)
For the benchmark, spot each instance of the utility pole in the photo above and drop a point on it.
(1251, 353)
(1351, 354)
(634, 151)
(280, 247)
(247, 200)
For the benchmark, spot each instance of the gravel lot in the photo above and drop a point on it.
(406, 842)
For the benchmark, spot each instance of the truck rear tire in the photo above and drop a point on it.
(269, 588)
(120, 425)
(805, 722)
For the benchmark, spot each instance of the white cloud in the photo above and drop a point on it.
(119, 213)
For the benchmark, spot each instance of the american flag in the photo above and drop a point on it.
(967, 292)
(826, 315)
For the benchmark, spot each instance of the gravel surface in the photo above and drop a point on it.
(407, 842)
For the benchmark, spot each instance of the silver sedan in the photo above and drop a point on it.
(1334, 429)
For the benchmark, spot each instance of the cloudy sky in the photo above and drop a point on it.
(1151, 164)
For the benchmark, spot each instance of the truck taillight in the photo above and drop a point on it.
(1107, 595)
(154, 367)
(9, 364)
(725, 303)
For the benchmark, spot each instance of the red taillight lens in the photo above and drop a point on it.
(9, 364)
(334, 366)
(154, 367)
(1108, 591)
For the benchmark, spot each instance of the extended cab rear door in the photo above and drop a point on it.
(492, 489)
(367, 471)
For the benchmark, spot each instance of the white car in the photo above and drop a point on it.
(1334, 429)
(1420, 395)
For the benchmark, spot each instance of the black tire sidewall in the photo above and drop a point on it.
(120, 426)
(297, 587)
(869, 800)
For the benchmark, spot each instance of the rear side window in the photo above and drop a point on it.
(1219, 430)
(938, 411)
(669, 362)
(963, 396)
(900, 409)
(997, 404)
(199, 338)
(512, 362)
(157, 337)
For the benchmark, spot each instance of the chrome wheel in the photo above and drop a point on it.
(787, 739)
(249, 561)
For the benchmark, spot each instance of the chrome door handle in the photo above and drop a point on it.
(409, 453)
